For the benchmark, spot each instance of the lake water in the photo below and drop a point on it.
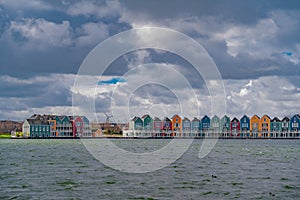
(64, 169)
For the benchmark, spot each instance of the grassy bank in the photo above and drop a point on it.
(4, 135)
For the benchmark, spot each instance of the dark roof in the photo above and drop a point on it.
(195, 119)
(275, 119)
(37, 122)
(166, 119)
(267, 116)
(235, 120)
(156, 119)
(144, 116)
(285, 119)
(255, 116)
(186, 119)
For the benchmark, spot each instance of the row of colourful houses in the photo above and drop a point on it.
(51, 126)
(254, 127)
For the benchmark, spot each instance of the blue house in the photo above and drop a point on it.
(166, 124)
(205, 125)
(186, 127)
(295, 125)
(245, 126)
(196, 126)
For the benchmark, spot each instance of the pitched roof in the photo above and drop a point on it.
(275, 119)
(175, 116)
(195, 119)
(285, 119)
(166, 119)
(156, 119)
(37, 122)
(186, 119)
(235, 120)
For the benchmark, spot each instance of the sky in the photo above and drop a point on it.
(254, 44)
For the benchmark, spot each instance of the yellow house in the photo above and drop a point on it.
(177, 125)
(255, 130)
(264, 124)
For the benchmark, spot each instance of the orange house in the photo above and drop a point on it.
(177, 125)
(265, 123)
(255, 129)
(53, 131)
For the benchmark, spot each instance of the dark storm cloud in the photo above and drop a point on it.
(246, 12)
(246, 39)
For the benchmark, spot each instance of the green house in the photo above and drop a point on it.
(225, 125)
(215, 124)
(64, 126)
(147, 123)
(275, 127)
(136, 124)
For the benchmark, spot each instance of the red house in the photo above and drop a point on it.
(234, 127)
(77, 126)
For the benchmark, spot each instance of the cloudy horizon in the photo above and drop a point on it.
(255, 45)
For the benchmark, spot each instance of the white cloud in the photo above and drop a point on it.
(25, 4)
(138, 58)
(41, 33)
(92, 33)
(254, 40)
(272, 95)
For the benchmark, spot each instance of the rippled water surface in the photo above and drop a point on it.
(64, 169)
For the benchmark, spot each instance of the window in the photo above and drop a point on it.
(78, 123)
(295, 125)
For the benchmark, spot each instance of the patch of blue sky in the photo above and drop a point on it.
(287, 53)
(111, 81)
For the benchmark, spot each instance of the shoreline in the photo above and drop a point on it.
(150, 138)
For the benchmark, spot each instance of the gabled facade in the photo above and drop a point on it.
(275, 127)
(177, 125)
(215, 124)
(225, 125)
(147, 123)
(295, 123)
(265, 123)
(245, 126)
(166, 124)
(77, 126)
(186, 126)
(254, 126)
(64, 126)
(205, 124)
(235, 127)
(196, 125)
(86, 127)
(136, 124)
(157, 124)
(26, 128)
(285, 125)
